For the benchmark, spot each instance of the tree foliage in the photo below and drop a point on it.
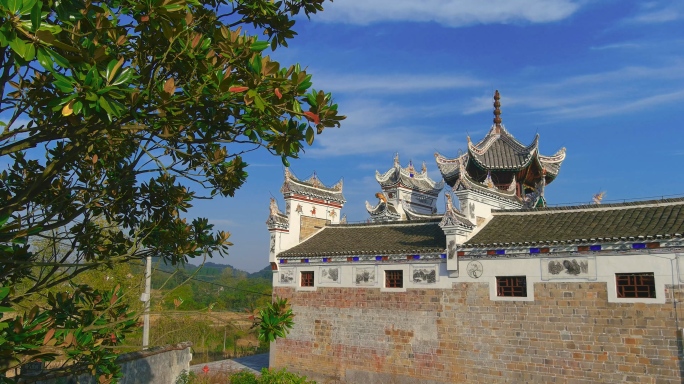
(274, 320)
(114, 114)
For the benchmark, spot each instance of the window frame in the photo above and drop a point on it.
(636, 284)
(310, 283)
(394, 280)
(514, 287)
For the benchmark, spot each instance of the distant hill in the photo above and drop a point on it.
(265, 273)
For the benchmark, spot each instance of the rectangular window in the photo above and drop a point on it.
(394, 279)
(307, 279)
(511, 286)
(635, 285)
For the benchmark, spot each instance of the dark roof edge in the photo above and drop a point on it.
(383, 224)
(597, 207)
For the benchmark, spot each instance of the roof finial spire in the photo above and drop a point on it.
(497, 112)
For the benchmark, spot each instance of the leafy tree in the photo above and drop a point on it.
(114, 113)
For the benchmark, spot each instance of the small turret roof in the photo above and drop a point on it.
(409, 178)
(312, 187)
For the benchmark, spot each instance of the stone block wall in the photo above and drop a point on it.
(310, 225)
(157, 365)
(568, 334)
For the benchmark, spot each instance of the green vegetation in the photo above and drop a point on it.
(281, 376)
(116, 114)
(215, 286)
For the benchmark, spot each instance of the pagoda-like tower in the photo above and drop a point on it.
(309, 206)
(406, 194)
(499, 172)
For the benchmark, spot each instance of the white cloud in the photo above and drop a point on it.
(453, 13)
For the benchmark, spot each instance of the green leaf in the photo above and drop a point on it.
(259, 102)
(27, 6)
(14, 5)
(4, 291)
(309, 136)
(59, 59)
(44, 58)
(18, 46)
(36, 16)
(3, 219)
(30, 52)
(258, 46)
(78, 107)
(124, 77)
(105, 105)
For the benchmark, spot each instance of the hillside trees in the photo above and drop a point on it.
(114, 114)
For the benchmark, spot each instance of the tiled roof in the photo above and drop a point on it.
(372, 239)
(502, 151)
(581, 224)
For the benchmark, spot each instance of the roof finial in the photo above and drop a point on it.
(497, 112)
(396, 159)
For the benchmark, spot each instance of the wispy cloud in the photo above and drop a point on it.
(592, 94)
(452, 13)
(625, 45)
(657, 12)
(374, 127)
(396, 83)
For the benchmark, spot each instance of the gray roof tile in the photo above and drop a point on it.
(372, 239)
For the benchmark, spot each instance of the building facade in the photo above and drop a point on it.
(497, 288)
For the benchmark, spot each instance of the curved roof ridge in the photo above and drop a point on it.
(557, 157)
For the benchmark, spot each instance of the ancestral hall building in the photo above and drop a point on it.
(497, 288)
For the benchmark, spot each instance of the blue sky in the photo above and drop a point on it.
(605, 79)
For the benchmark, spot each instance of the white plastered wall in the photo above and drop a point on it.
(664, 266)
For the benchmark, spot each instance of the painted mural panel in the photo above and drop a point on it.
(564, 268)
(287, 276)
(365, 276)
(424, 274)
(330, 275)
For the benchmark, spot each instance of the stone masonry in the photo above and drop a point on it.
(570, 333)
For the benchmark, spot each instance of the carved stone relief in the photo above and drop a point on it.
(569, 268)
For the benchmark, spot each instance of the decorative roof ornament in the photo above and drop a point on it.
(598, 197)
(381, 196)
(343, 220)
(276, 219)
(449, 202)
(410, 169)
(273, 207)
(453, 217)
(497, 112)
(424, 168)
(313, 180)
(488, 181)
(384, 211)
(396, 160)
(513, 186)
